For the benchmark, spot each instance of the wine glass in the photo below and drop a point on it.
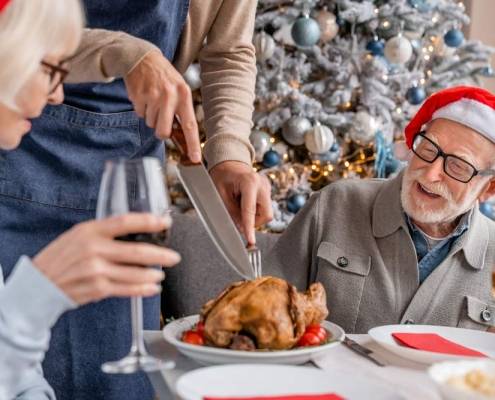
(135, 186)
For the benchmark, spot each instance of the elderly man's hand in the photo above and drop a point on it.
(246, 195)
(158, 93)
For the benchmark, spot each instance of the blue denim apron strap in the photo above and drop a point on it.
(51, 183)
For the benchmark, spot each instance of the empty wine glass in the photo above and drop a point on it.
(135, 186)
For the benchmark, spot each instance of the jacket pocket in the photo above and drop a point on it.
(477, 314)
(343, 273)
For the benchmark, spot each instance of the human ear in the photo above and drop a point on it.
(488, 191)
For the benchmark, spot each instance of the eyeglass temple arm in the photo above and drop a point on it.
(486, 172)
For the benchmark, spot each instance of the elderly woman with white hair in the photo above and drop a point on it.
(86, 263)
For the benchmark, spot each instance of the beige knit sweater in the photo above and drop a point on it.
(219, 34)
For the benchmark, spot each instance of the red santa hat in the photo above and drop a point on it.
(3, 4)
(470, 106)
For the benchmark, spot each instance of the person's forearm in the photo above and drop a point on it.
(228, 73)
(29, 306)
(105, 55)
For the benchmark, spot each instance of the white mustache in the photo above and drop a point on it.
(438, 188)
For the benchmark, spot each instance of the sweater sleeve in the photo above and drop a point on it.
(105, 55)
(228, 74)
(30, 304)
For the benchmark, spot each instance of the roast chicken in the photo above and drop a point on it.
(265, 313)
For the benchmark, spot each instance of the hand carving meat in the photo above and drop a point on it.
(267, 310)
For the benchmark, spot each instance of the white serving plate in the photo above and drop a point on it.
(172, 333)
(246, 380)
(483, 342)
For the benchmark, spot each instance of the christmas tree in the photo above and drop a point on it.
(337, 82)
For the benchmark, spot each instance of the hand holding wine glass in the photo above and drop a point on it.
(88, 264)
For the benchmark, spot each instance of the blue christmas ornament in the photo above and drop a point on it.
(415, 95)
(487, 71)
(453, 38)
(420, 5)
(376, 47)
(271, 159)
(295, 203)
(488, 209)
(305, 32)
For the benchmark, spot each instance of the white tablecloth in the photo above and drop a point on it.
(409, 379)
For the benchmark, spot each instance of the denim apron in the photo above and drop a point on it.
(51, 183)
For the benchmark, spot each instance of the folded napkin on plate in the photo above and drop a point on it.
(435, 343)
(327, 396)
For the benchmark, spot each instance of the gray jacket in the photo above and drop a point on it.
(353, 237)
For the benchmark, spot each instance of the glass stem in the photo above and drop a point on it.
(137, 326)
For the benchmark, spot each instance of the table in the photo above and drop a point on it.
(408, 378)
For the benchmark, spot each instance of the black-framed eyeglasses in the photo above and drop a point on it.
(453, 166)
(57, 75)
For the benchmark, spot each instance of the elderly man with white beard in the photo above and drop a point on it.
(414, 248)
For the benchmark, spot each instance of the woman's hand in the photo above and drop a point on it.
(88, 264)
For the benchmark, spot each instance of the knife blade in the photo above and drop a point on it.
(361, 350)
(211, 209)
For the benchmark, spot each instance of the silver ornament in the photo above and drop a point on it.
(364, 128)
(261, 143)
(319, 139)
(193, 76)
(328, 25)
(398, 50)
(294, 130)
(264, 46)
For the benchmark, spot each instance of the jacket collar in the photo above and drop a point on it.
(388, 217)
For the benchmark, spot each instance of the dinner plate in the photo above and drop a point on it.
(483, 342)
(213, 355)
(277, 380)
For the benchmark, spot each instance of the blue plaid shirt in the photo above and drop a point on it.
(429, 259)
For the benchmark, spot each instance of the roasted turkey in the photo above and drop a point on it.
(265, 313)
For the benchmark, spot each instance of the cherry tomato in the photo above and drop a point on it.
(318, 330)
(193, 337)
(200, 327)
(309, 339)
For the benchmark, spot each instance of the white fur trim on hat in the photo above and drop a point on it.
(471, 113)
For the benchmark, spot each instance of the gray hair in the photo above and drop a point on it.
(29, 31)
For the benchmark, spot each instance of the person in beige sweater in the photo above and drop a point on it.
(63, 155)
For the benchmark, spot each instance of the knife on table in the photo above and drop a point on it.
(211, 209)
(361, 350)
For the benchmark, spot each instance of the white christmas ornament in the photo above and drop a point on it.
(328, 25)
(261, 143)
(294, 130)
(193, 76)
(398, 50)
(319, 139)
(364, 128)
(264, 46)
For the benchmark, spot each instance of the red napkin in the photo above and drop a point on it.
(326, 396)
(435, 343)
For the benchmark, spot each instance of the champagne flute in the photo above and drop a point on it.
(135, 186)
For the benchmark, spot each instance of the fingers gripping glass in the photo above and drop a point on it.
(134, 186)
(57, 75)
(453, 166)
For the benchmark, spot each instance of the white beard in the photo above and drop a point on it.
(422, 212)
